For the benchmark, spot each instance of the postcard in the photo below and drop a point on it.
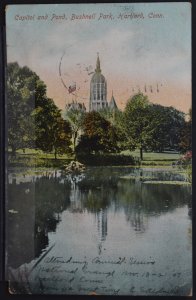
(99, 151)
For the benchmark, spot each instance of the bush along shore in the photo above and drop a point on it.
(152, 162)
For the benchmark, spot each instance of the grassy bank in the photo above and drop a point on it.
(164, 159)
(37, 158)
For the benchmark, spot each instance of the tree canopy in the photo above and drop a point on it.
(21, 88)
(152, 127)
(137, 122)
(34, 121)
(98, 135)
(53, 134)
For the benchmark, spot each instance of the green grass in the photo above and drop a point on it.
(154, 156)
(39, 154)
(37, 158)
(155, 159)
(167, 182)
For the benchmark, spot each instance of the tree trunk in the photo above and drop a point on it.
(74, 144)
(55, 154)
(141, 153)
(74, 141)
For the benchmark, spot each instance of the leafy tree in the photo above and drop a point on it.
(98, 135)
(175, 121)
(185, 143)
(137, 122)
(116, 118)
(52, 132)
(21, 89)
(166, 125)
(151, 126)
(75, 117)
(34, 121)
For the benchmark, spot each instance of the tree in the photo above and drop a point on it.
(98, 135)
(21, 89)
(34, 121)
(116, 118)
(52, 132)
(166, 126)
(137, 122)
(175, 121)
(185, 143)
(75, 117)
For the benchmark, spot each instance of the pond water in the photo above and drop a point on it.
(103, 232)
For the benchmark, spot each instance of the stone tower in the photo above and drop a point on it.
(98, 89)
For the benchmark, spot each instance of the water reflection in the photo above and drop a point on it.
(39, 204)
(102, 223)
(39, 201)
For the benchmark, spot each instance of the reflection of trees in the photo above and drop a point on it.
(141, 200)
(95, 200)
(154, 198)
(75, 195)
(39, 204)
(133, 204)
(20, 224)
(190, 206)
(52, 197)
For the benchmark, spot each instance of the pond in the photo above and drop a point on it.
(103, 232)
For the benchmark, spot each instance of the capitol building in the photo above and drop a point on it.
(98, 91)
(98, 94)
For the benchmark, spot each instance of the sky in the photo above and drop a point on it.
(142, 47)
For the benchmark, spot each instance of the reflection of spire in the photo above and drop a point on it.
(98, 69)
(138, 222)
(102, 223)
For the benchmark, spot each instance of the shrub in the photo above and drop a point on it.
(105, 160)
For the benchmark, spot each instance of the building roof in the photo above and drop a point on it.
(112, 103)
(75, 105)
(97, 76)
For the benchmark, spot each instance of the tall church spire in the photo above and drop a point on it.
(98, 69)
(98, 89)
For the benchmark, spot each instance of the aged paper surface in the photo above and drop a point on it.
(98, 193)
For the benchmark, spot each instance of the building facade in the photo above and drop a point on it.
(74, 105)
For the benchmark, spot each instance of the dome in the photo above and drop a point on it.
(98, 78)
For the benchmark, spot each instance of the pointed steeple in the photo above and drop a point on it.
(112, 103)
(98, 69)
